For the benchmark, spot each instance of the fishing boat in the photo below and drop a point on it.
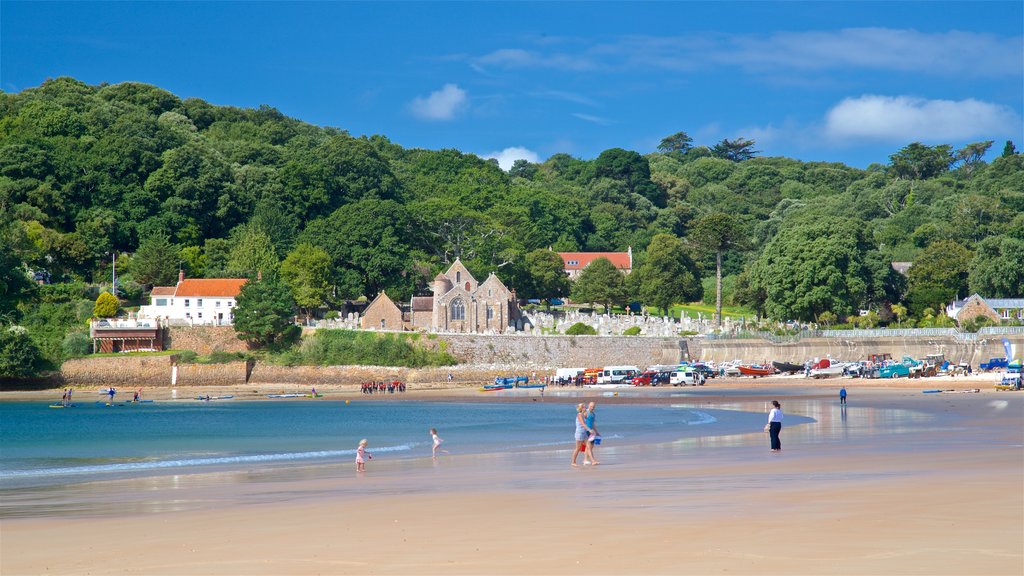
(756, 371)
(286, 395)
(494, 387)
(214, 397)
(787, 367)
(531, 385)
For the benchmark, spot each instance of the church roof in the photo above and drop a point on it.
(422, 303)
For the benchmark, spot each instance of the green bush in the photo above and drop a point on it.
(19, 355)
(581, 329)
(106, 306)
(631, 331)
(186, 357)
(76, 344)
(351, 347)
(332, 315)
(221, 357)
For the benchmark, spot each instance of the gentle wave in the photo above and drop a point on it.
(160, 464)
(702, 417)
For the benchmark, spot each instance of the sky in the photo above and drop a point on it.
(849, 82)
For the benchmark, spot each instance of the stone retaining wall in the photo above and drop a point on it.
(567, 351)
(956, 350)
(204, 339)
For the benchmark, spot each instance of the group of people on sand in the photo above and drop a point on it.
(586, 434)
(382, 387)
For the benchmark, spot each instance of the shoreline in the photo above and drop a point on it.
(942, 499)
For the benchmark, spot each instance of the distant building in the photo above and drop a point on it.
(458, 304)
(575, 262)
(196, 301)
(126, 335)
(995, 309)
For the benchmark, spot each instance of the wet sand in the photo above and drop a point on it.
(860, 491)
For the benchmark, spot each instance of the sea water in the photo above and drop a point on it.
(44, 447)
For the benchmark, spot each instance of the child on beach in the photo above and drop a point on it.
(437, 443)
(360, 453)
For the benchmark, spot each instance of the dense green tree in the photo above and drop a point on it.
(917, 161)
(816, 267)
(307, 271)
(600, 283)
(156, 261)
(937, 276)
(264, 313)
(736, 150)
(19, 356)
(997, 270)
(15, 285)
(718, 232)
(251, 253)
(668, 275)
(678, 143)
(106, 306)
(631, 169)
(1009, 149)
(544, 276)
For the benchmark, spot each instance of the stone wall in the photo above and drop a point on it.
(973, 351)
(524, 351)
(204, 339)
(117, 371)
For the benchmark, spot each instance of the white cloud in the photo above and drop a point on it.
(906, 118)
(443, 104)
(951, 52)
(594, 119)
(507, 157)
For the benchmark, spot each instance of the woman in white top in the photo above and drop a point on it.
(775, 425)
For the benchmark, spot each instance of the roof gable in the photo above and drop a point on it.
(162, 291)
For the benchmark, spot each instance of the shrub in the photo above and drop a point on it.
(106, 306)
(332, 315)
(186, 357)
(581, 329)
(76, 344)
(19, 355)
(221, 357)
(351, 347)
(631, 331)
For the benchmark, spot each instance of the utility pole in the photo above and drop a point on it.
(113, 274)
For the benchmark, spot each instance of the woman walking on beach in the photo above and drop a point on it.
(775, 425)
(582, 433)
(360, 453)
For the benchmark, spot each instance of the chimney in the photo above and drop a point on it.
(181, 276)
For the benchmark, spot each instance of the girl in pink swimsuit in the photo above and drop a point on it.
(360, 453)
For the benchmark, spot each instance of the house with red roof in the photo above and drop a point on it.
(575, 262)
(195, 301)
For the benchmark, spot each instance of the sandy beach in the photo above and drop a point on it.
(946, 498)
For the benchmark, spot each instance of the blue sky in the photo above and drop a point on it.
(821, 81)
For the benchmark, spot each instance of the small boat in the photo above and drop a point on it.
(494, 387)
(788, 367)
(531, 385)
(756, 371)
(286, 395)
(62, 406)
(213, 397)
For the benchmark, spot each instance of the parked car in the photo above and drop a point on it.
(689, 377)
(994, 364)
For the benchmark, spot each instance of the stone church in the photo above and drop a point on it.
(459, 303)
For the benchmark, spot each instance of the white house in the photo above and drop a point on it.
(203, 301)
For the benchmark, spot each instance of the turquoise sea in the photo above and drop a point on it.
(93, 441)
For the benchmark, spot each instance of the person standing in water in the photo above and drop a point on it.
(111, 392)
(775, 426)
(437, 443)
(581, 435)
(842, 395)
(362, 455)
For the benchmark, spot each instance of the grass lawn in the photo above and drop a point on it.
(708, 311)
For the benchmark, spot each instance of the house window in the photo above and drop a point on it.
(458, 276)
(1005, 314)
(490, 313)
(231, 303)
(217, 304)
(458, 309)
(574, 263)
(383, 323)
(161, 301)
(199, 303)
(467, 286)
(188, 314)
(200, 315)
(488, 291)
(186, 302)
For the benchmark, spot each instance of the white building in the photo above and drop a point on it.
(195, 301)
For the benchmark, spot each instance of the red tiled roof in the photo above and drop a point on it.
(162, 291)
(210, 287)
(621, 260)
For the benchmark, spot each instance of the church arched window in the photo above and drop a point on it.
(458, 309)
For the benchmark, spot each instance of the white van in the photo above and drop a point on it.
(617, 374)
(688, 377)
